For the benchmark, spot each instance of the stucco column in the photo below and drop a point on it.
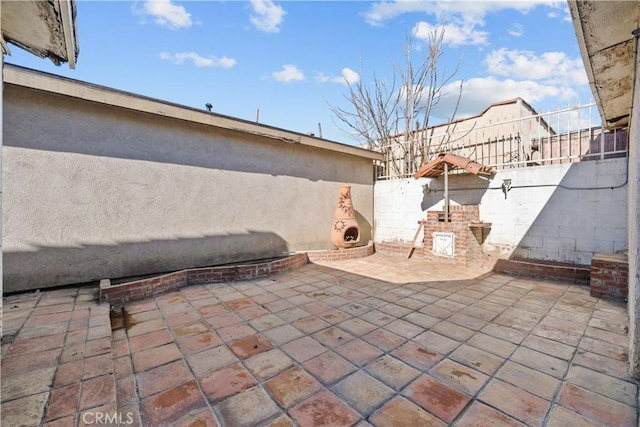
(634, 230)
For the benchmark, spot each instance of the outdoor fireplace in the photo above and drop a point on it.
(345, 232)
(455, 238)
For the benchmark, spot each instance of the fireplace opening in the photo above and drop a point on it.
(351, 235)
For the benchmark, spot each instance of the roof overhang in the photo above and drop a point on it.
(45, 28)
(37, 80)
(604, 33)
(436, 167)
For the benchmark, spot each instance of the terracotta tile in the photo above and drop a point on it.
(26, 383)
(35, 345)
(303, 349)
(540, 361)
(417, 355)
(226, 382)
(189, 329)
(436, 397)
(187, 316)
(383, 339)
(26, 411)
(120, 348)
(122, 367)
(437, 311)
(268, 321)
(292, 387)
(515, 402)
(562, 417)
(204, 418)
(63, 401)
(249, 346)
(435, 342)
(358, 352)
(462, 377)
(126, 391)
(324, 409)
(146, 327)
(68, 373)
(547, 346)
(362, 392)
(477, 359)
(197, 343)
(309, 325)
(278, 305)
(403, 328)
(292, 314)
(600, 408)
(209, 360)
(131, 319)
(223, 320)
(234, 332)
(492, 345)
(481, 415)
(247, 409)
(67, 421)
(98, 391)
(282, 421)
(604, 348)
(97, 366)
(334, 316)
(356, 327)
(505, 333)
(253, 312)
(282, 334)
(329, 367)
(163, 378)
(147, 359)
(556, 334)
(212, 310)
(599, 363)
(613, 388)
(393, 372)
(453, 331)
(528, 379)
(239, 304)
(168, 406)
(267, 364)
(97, 347)
(401, 412)
(378, 318)
(333, 337)
(316, 307)
(19, 364)
(48, 319)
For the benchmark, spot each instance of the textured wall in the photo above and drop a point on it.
(541, 217)
(93, 191)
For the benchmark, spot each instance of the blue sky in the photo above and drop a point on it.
(289, 59)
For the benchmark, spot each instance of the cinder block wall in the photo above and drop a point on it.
(95, 191)
(563, 213)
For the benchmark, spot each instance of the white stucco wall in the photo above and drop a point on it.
(562, 213)
(95, 191)
(634, 228)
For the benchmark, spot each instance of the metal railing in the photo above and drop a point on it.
(567, 135)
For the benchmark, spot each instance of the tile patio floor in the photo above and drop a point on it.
(378, 341)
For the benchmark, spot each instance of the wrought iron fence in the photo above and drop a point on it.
(573, 134)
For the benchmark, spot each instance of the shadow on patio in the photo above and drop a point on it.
(381, 341)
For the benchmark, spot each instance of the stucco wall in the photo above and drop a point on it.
(562, 213)
(95, 191)
(634, 228)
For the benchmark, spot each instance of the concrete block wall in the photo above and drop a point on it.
(562, 213)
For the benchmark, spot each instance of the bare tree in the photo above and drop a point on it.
(394, 118)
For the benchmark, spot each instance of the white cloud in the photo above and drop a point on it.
(347, 77)
(289, 73)
(267, 16)
(198, 60)
(516, 30)
(479, 93)
(550, 67)
(454, 35)
(469, 11)
(167, 14)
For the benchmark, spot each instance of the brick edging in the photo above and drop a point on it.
(145, 288)
(564, 273)
(341, 254)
